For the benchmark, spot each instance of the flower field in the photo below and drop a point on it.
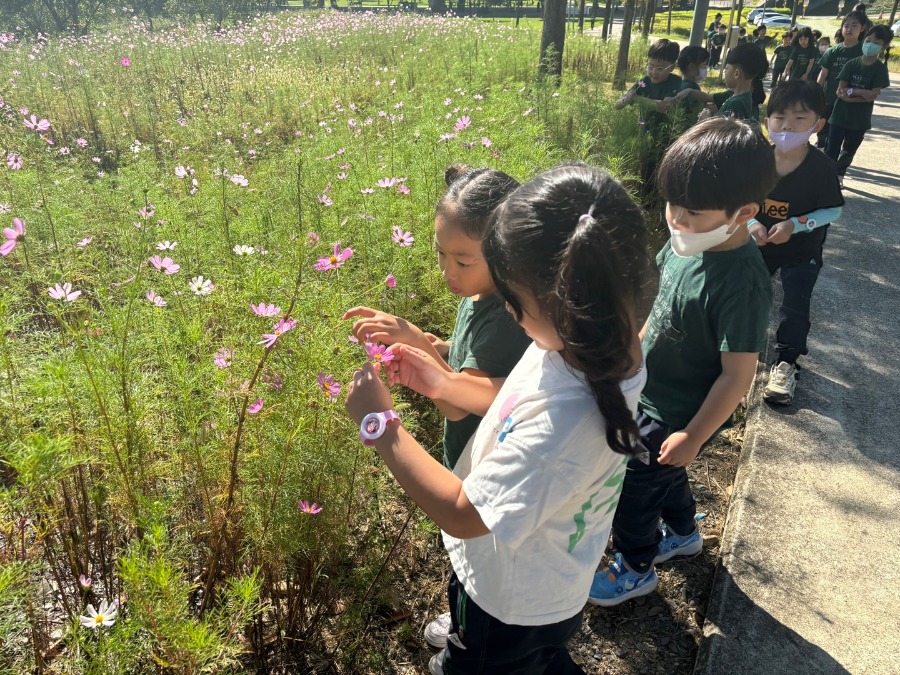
(186, 215)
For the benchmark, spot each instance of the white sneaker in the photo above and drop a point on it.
(436, 664)
(782, 383)
(437, 631)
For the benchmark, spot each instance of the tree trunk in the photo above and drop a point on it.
(608, 20)
(581, 17)
(624, 45)
(553, 38)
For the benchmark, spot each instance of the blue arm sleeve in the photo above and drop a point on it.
(817, 218)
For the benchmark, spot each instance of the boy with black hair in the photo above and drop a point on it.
(793, 223)
(745, 67)
(701, 342)
(859, 84)
(833, 61)
(780, 58)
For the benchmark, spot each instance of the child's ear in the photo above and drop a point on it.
(818, 125)
(746, 212)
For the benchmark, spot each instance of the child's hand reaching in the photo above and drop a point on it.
(759, 233)
(706, 113)
(415, 369)
(367, 393)
(385, 328)
(780, 232)
(679, 449)
(442, 347)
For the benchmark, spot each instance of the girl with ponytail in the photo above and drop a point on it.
(527, 511)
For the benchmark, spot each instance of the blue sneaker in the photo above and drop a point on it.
(673, 545)
(617, 583)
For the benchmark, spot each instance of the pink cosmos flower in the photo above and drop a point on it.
(391, 281)
(367, 191)
(342, 176)
(239, 180)
(37, 125)
(329, 387)
(311, 509)
(378, 353)
(63, 293)
(180, 171)
(463, 123)
(14, 161)
(400, 237)
(146, 211)
(13, 235)
(282, 327)
(222, 358)
(166, 264)
(166, 245)
(262, 309)
(156, 299)
(403, 190)
(81, 142)
(335, 260)
(486, 142)
(386, 182)
(446, 137)
(312, 238)
(324, 200)
(125, 61)
(65, 150)
(84, 581)
(84, 242)
(255, 407)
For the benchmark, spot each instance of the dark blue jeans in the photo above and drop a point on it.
(798, 278)
(494, 648)
(651, 491)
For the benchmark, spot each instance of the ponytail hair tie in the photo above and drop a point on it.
(585, 219)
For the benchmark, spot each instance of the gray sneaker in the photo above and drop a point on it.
(437, 631)
(782, 383)
(436, 665)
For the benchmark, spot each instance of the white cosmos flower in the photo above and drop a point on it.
(104, 616)
(242, 249)
(201, 286)
(166, 245)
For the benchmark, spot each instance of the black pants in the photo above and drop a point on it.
(822, 136)
(798, 277)
(651, 491)
(842, 146)
(776, 75)
(496, 648)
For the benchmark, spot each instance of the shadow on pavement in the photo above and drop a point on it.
(775, 648)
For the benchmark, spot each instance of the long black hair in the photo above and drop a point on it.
(471, 197)
(574, 239)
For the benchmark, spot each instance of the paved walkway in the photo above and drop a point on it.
(809, 580)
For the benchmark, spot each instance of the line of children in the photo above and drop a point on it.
(527, 511)
(833, 61)
(859, 84)
(804, 54)
(701, 342)
(792, 225)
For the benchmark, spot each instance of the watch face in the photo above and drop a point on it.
(372, 425)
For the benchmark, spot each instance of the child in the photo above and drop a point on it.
(803, 55)
(833, 61)
(859, 84)
(793, 223)
(780, 58)
(716, 43)
(527, 511)
(824, 43)
(486, 342)
(701, 342)
(761, 37)
(745, 68)
(692, 62)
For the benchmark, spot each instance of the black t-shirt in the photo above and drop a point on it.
(811, 186)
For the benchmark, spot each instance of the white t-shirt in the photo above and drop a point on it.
(542, 478)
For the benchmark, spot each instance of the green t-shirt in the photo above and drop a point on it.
(652, 120)
(782, 56)
(706, 304)
(718, 39)
(834, 60)
(689, 108)
(858, 75)
(740, 106)
(801, 58)
(485, 337)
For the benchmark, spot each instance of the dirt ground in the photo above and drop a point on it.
(658, 633)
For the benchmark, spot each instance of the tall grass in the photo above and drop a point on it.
(136, 466)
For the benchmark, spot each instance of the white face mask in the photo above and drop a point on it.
(822, 49)
(688, 244)
(785, 141)
(702, 74)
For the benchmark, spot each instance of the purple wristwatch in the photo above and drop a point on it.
(373, 425)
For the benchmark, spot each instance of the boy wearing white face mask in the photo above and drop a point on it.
(701, 342)
(793, 222)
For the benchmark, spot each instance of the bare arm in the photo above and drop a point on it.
(809, 67)
(823, 75)
(738, 370)
(787, 70)
(428, 482)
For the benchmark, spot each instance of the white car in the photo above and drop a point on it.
(779, 22)
(759, 13)
(896, 29)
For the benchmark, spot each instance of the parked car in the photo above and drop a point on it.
(779, 22)
(757, 17)
(896, 29)
(758, 12)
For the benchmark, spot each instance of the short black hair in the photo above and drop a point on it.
(804, 93)
(882, 33)
(817, 34)
(720, 163)
(750, 58)
(664, 50)
(691, 56)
